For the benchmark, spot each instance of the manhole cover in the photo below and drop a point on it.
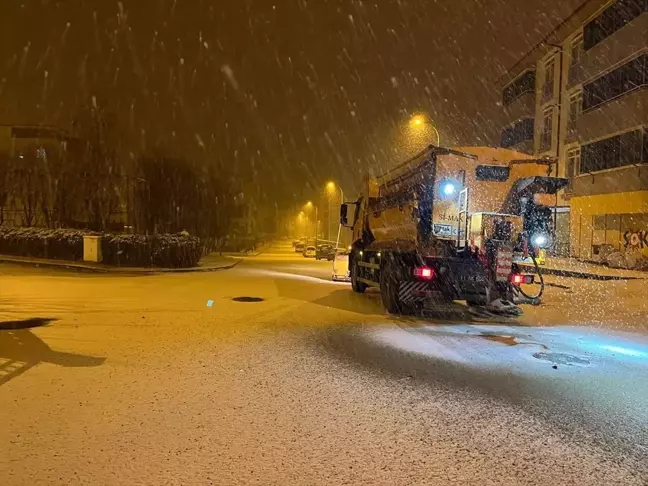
(247, 299)
(562, 359)
(24, 324)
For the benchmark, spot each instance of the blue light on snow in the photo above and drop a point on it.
(626, 351)
(210, 303)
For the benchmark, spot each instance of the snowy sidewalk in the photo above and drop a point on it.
(210, 263)
(570, 267)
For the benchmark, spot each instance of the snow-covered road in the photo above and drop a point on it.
(167, 379)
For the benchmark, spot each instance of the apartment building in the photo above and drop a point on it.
(581, 95)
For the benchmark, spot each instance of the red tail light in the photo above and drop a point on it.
(426, 273)
(519, 279)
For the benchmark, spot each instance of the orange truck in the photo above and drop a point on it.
(443, 226)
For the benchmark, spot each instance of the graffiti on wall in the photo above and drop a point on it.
(636, 239)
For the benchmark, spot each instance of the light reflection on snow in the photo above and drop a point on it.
(293, 276)
(514, 347)
(626, 351)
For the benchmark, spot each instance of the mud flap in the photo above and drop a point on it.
(412, 292)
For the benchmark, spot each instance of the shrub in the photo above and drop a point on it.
(169, 251)
(59, 244)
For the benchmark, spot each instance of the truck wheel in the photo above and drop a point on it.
(389, 289)
(357, 286)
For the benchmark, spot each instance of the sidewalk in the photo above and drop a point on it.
(210, 263)
(570, 267)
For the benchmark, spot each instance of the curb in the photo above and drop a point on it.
(115, 270)
(575, 274)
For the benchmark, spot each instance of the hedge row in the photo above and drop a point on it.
(168, 251)
(59, 244)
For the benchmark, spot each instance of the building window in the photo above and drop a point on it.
(576, 55)
(547, 128)
(523, 84)
(613, 18)
(547, 88)
(519, 132)
(575, 106)
(629, 77)
(572, 168)
(609, 153)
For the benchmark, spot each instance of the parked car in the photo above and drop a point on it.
(323, 252)
(295, 243)
(300, 247)
(310, 252)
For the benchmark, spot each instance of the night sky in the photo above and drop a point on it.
(287, 94)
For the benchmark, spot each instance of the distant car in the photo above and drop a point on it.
(323, 252)
(310, 252)
(295, 243)
(300, 247)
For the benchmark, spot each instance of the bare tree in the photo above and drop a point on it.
(25, 185)
(99, 169)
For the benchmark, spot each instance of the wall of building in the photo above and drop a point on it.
(617, 194)
(610, 219)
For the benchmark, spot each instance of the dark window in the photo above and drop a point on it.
(523, 84)
(624, 79)
(573, 166)
(576, 55)
(618, 151)
(522, 130)
(575, 106)
(612, 19)
(547, 128)
(547, 88)
(599, 221)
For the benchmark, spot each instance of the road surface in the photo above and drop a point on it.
(166, 379)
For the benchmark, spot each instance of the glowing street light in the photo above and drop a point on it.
(418, 122)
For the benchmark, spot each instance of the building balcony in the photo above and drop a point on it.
(623, 179)
(613, 50)
(525, 147)
(521, 107)
(623, 113)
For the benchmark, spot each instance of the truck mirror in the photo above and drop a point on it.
(346, 219)
(343, 215)
(492, 173)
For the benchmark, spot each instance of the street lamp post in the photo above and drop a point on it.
(419, 122)
(330, 186)
(310, 205)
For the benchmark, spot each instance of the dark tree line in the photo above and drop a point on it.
(173, 195)
(81, 182)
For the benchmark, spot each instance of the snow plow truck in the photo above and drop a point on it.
(445, 224)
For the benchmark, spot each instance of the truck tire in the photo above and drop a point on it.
(389, 284)
(358, 287)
